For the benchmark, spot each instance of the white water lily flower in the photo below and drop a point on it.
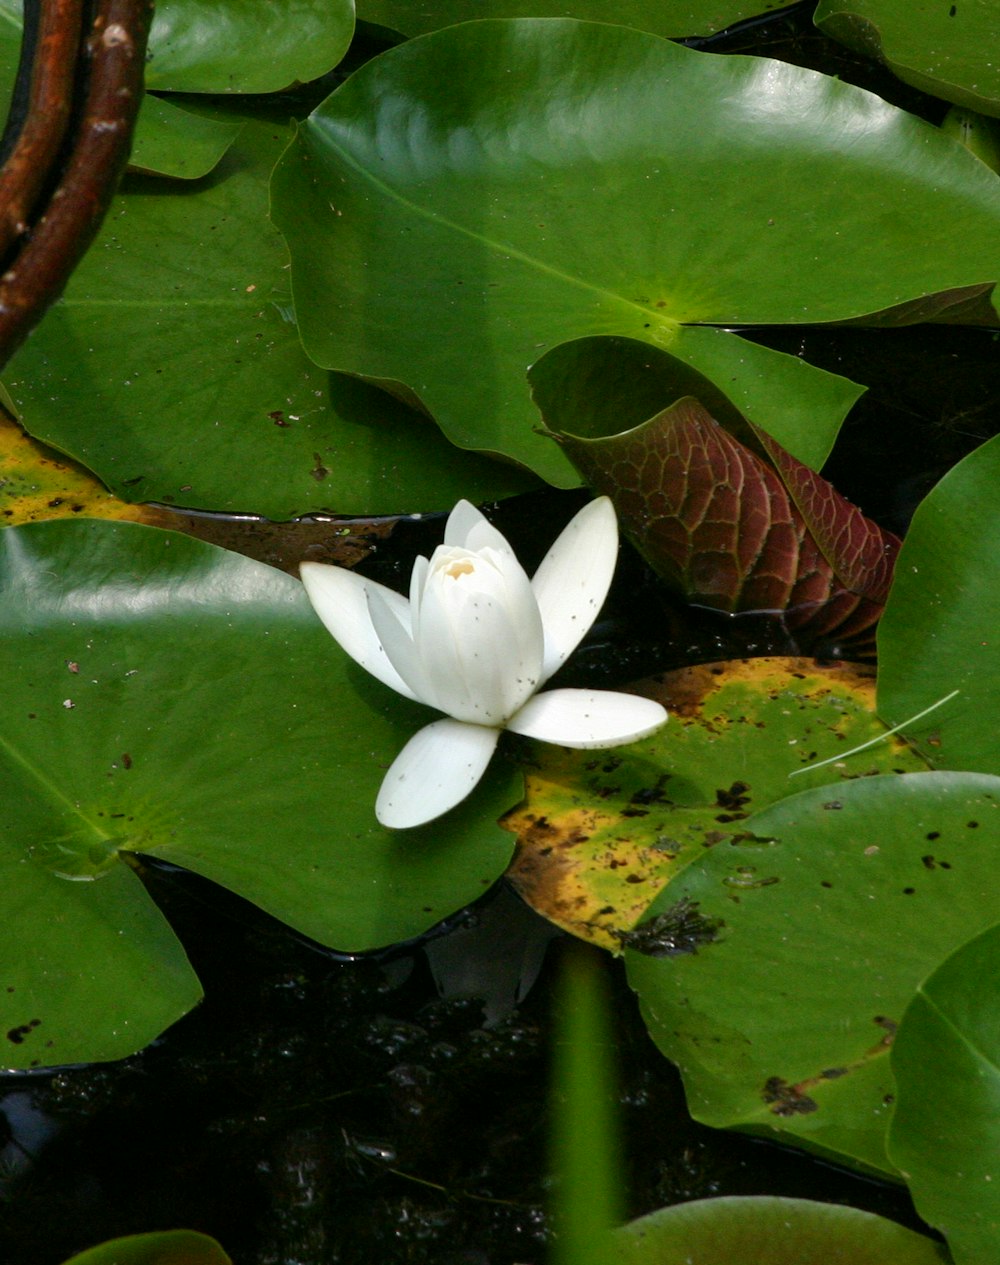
(476, 640)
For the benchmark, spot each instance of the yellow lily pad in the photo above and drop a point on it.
(600, 833)
(36, 483)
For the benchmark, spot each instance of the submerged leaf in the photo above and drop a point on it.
(769, 1231)
(164, 1247)
(734, 533)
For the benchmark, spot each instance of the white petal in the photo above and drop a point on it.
(573, 580)
(398, 645)
(436, 769)
(588, 718)
(478, 635)
(339, 598)
(468, 529)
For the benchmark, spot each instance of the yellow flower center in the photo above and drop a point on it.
(459, 568)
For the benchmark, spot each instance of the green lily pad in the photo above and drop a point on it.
(945, 1134)
(769, 1231)
(187, 384)
(164, 1247)
(245, 46)
(171, 141)
(816, 929)
(661, 17)
(165, 697)
(228, 46)
(601, 833)
(542, 180)
(948, 50)
(939, 630)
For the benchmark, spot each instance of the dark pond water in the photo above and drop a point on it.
(393, 1107)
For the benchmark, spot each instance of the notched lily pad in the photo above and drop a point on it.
(165, 697)
(600, 833)
(563, 187)
(783, 1023)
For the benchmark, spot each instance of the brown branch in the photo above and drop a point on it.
(113, 57)
(53, 58)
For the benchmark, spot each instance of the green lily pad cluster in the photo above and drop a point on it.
(328, 298)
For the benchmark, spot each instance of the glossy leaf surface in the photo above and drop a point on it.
(939, 631)
(945, 1133)
(172, 141)
(662, 17)
(769, 1231)
(737, 533)
(165, 1247)
(228, 45)
(244, 46)
(210, 401)
(948, 50)
(169, 139)
(537, 181)
(815, 931)
(600, 833)
(168, 698)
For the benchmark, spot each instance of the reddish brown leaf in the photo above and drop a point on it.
(860, 552)
(735, 533)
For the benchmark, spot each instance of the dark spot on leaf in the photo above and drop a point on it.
(319, 471)
(17, 1035)
(278, 417)
(928, 862)
(787, 1100)
(908, 891)
(825, 883)
(652, 794)
(889, 1026)
(833, 805)
(634, 878)
(833, 1073)
(972, 825)
(635, 812)
(734, 798)
(680, 930)
(126, 760)
(934, 834)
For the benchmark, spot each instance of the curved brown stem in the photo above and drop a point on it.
(54, 54)
(109, 73)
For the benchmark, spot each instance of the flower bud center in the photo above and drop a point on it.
(459, 568)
